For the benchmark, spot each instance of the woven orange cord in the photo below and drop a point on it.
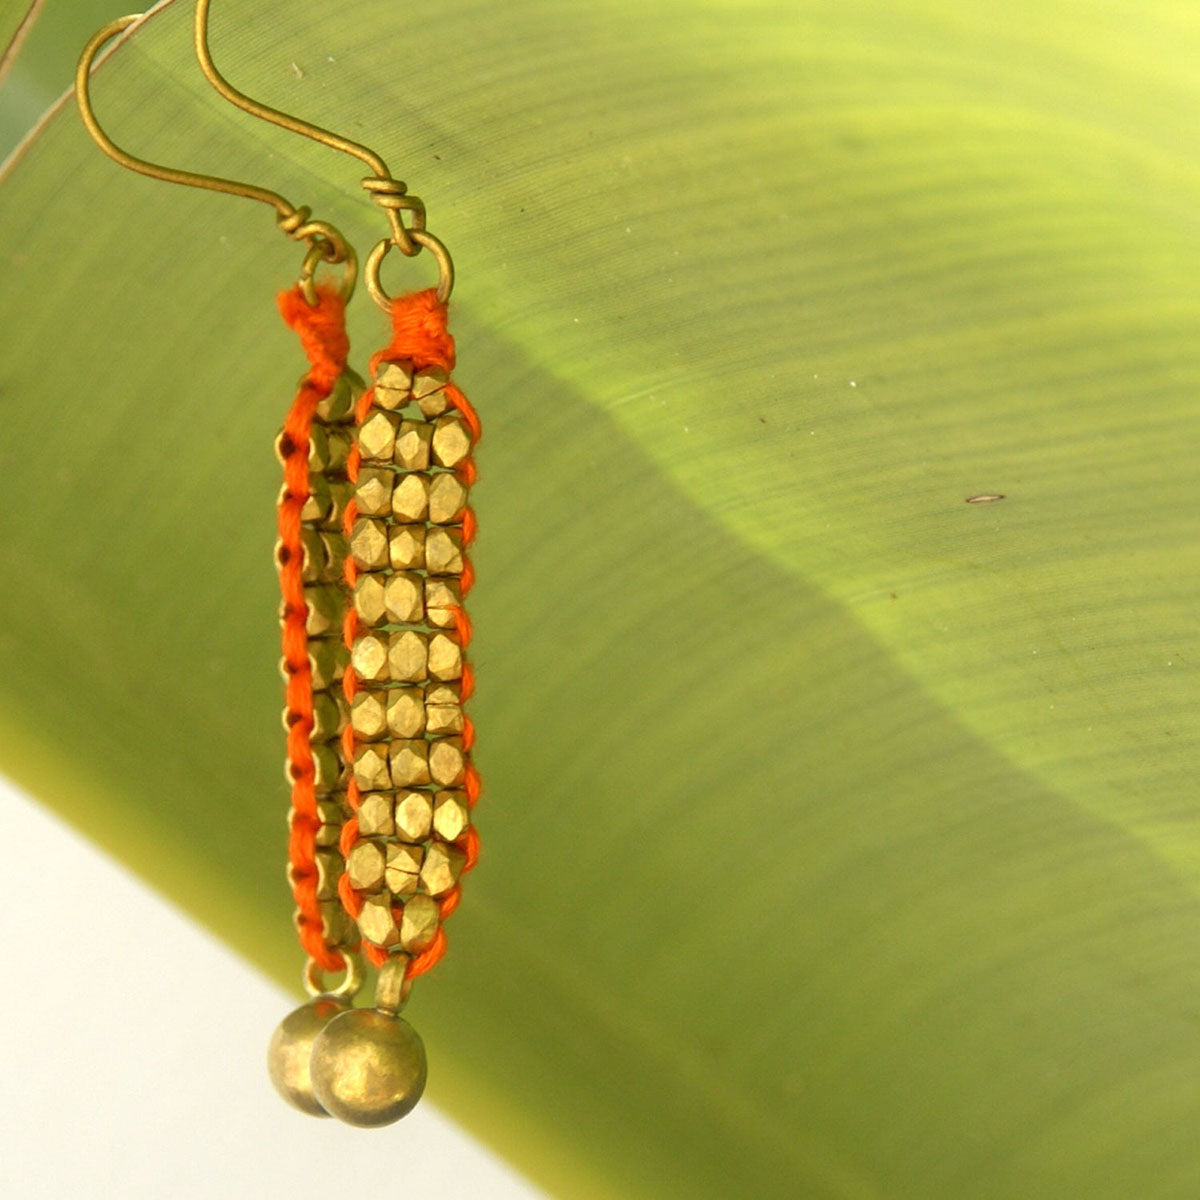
(322, 332)
(419, 334)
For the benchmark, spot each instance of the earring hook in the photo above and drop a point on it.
(390, 194)
(326, 243)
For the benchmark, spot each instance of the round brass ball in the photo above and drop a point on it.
(290, 1051)
(368, 1068)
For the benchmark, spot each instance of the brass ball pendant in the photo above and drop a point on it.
(290, 1052)
(368, 1067)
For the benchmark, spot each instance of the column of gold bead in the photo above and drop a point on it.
(407, 713)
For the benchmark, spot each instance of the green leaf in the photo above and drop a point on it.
(839, 835)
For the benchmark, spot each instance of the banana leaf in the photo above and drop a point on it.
(840, 836)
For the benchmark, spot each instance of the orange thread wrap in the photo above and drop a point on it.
(322, 332)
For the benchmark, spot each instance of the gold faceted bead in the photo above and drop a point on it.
(326, 661)
(404, 598)
(443, 709)
(377, 436)
(318, 450)
(405, 712)
(369, 543)
(313, 559)
(364, 865)
(441, 597)
(369, 591)
(373, 494)
(447, 761)
(340, 491)
(427, 391)
(393, 382)
(290, 1052)
(445, 659)
(414, 816)
(451, 442)
(316, 506)
(371, 767)
(368, 1068)
(332, 814)
(339, 403)
(368, 715)
(403, 868)
(410, 497)
(324, 609)
(335, 554)
(442, 866)
(407, 547)
(338, 441)
(419, 923)
(447, 498)
(369, 658)
(376, 922)
(413, 439)
(330, 866)
(408, 656)
(327, 717)
(443, 550)
(410, 762)
(337, 927)
(375, 815)
(451, 816)
(327, 767)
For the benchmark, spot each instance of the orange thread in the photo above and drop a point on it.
(322, 332)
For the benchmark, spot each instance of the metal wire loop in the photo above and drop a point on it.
(375, 259)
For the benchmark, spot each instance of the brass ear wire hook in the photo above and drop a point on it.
(325, 242)
(390, 194)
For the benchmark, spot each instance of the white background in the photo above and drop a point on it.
(151, 1091)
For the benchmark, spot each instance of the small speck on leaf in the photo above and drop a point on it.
(985, 498)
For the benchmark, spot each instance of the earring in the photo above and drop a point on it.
(374, 525)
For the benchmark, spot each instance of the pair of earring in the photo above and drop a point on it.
(374, 529)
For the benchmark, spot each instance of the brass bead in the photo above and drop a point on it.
(413, 816)
(447, 498)
(404, 598)
(332, 814)
(316, 507)
(335, 554)
(338, 404)
(290, 1050)
(403, 868)
(407, 656)
(340, 491)
(419, 923)
(410, 762)
(369, 658)
(364, 866)
(413, 439)
(373, 495)
(376, 922)
(377, 436)
(369, 591)
(441, 596)
(451, 442)
(330, 866)
(318, 450)
(338, 441)
(410, 497)
(442, 866)
(368, 1068)
(324, 609)
(337, 927)
(445, 657)
(447, 761)
(313, 560)
(393, 382)
(368, 715)
(405, 712)
(371, 767)
(407, 547)
(443, 709)
(327, 767)
(451, 816)
(375, 817)
(443, 550)
(369, 544)
(326, 661)
(327, 717)
(427, 391)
